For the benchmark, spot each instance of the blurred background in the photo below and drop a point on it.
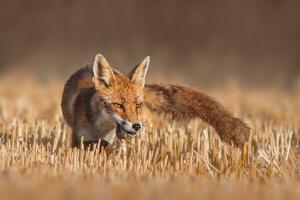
(254, 43)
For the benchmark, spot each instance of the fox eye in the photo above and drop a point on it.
(117, 105)
(139, 105)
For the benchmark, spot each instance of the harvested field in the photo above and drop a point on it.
(175, 162)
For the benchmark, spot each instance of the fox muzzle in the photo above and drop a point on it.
(130, 128)
(127, 127)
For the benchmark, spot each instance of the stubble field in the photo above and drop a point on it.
(176, 162)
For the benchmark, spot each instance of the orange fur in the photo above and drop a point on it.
(97, 96)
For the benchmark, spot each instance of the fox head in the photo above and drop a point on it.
(122, 95)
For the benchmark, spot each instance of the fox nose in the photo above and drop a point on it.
(137, 126)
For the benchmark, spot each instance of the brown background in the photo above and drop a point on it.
(200, 42)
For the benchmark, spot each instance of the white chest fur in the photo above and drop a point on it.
(105, 128)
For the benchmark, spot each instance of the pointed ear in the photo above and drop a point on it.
(138, 74)
(102, 71)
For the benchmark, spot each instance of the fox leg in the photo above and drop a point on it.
(76, 142)
(85, 137)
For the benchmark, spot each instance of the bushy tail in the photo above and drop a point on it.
(186, 103)
(81, 79)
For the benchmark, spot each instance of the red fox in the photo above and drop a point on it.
(101, 103)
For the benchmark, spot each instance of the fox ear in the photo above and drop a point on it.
(138, 74)
(102, 71)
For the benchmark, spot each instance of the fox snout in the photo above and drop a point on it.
(131, 128)
(128, 129)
